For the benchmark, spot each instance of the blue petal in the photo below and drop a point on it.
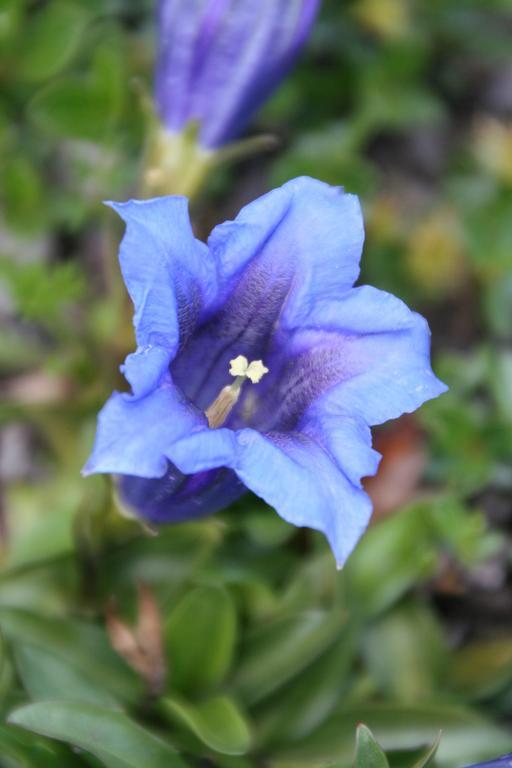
(499, 762)
(302, 478)
(312, 230)
(135, 435)
(384, 361)
(162, 448)
(171, 279)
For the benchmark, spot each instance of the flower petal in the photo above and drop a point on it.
(170, 277)
(162, 450)
(303, 480)
(136, 435)
(311, 230)
(384, 354)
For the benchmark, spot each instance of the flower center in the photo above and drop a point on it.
(241, 369)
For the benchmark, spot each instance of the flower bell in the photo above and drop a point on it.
(275, 285)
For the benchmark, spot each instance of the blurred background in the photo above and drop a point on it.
(270, 653)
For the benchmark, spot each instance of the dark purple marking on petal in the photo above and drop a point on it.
(243, 326)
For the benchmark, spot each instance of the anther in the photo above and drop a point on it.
(241, 369)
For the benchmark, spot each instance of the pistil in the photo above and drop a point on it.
(241, 369)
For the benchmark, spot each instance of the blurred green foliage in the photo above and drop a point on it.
(268, 655)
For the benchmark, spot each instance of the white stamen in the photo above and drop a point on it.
(254, 371)
(241, 369)
(239, 366)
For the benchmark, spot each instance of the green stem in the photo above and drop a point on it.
(175, 164)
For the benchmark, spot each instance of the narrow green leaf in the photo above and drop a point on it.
(405, 653)
(105, 733)
(426, 758)
(217, 722)
(29, 750)
(200, 639)
(300, 706)
(82, 646)
(45, 676)
(391, 557)
(276, 652)
(368, 752)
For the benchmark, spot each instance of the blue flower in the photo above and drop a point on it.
(219, 60)
(498, 762)
(274, 285)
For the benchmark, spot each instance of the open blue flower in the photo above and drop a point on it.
(219, 60)
(498, 762)
(275, 284)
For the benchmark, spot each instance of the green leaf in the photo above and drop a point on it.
(300, 706)
(11, 12)
(73, 107)
(83, 106)
(29, 750)
(391, 557)
(200, 638)
(329, 153)
(275, 652)
(483, 668)
(500, 381)
(51, 37)
(466, 736)
(46, 676)
(426, 758)
(368, 752)
(217, 722)
(266, 528)
(23, 193)
(84, 647)
(406, 653)
(34, 288)
(110, 735)
(404, 549)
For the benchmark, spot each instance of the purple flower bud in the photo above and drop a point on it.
(219, 60)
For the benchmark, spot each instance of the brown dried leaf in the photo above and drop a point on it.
(141, 646)
(403, 460)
